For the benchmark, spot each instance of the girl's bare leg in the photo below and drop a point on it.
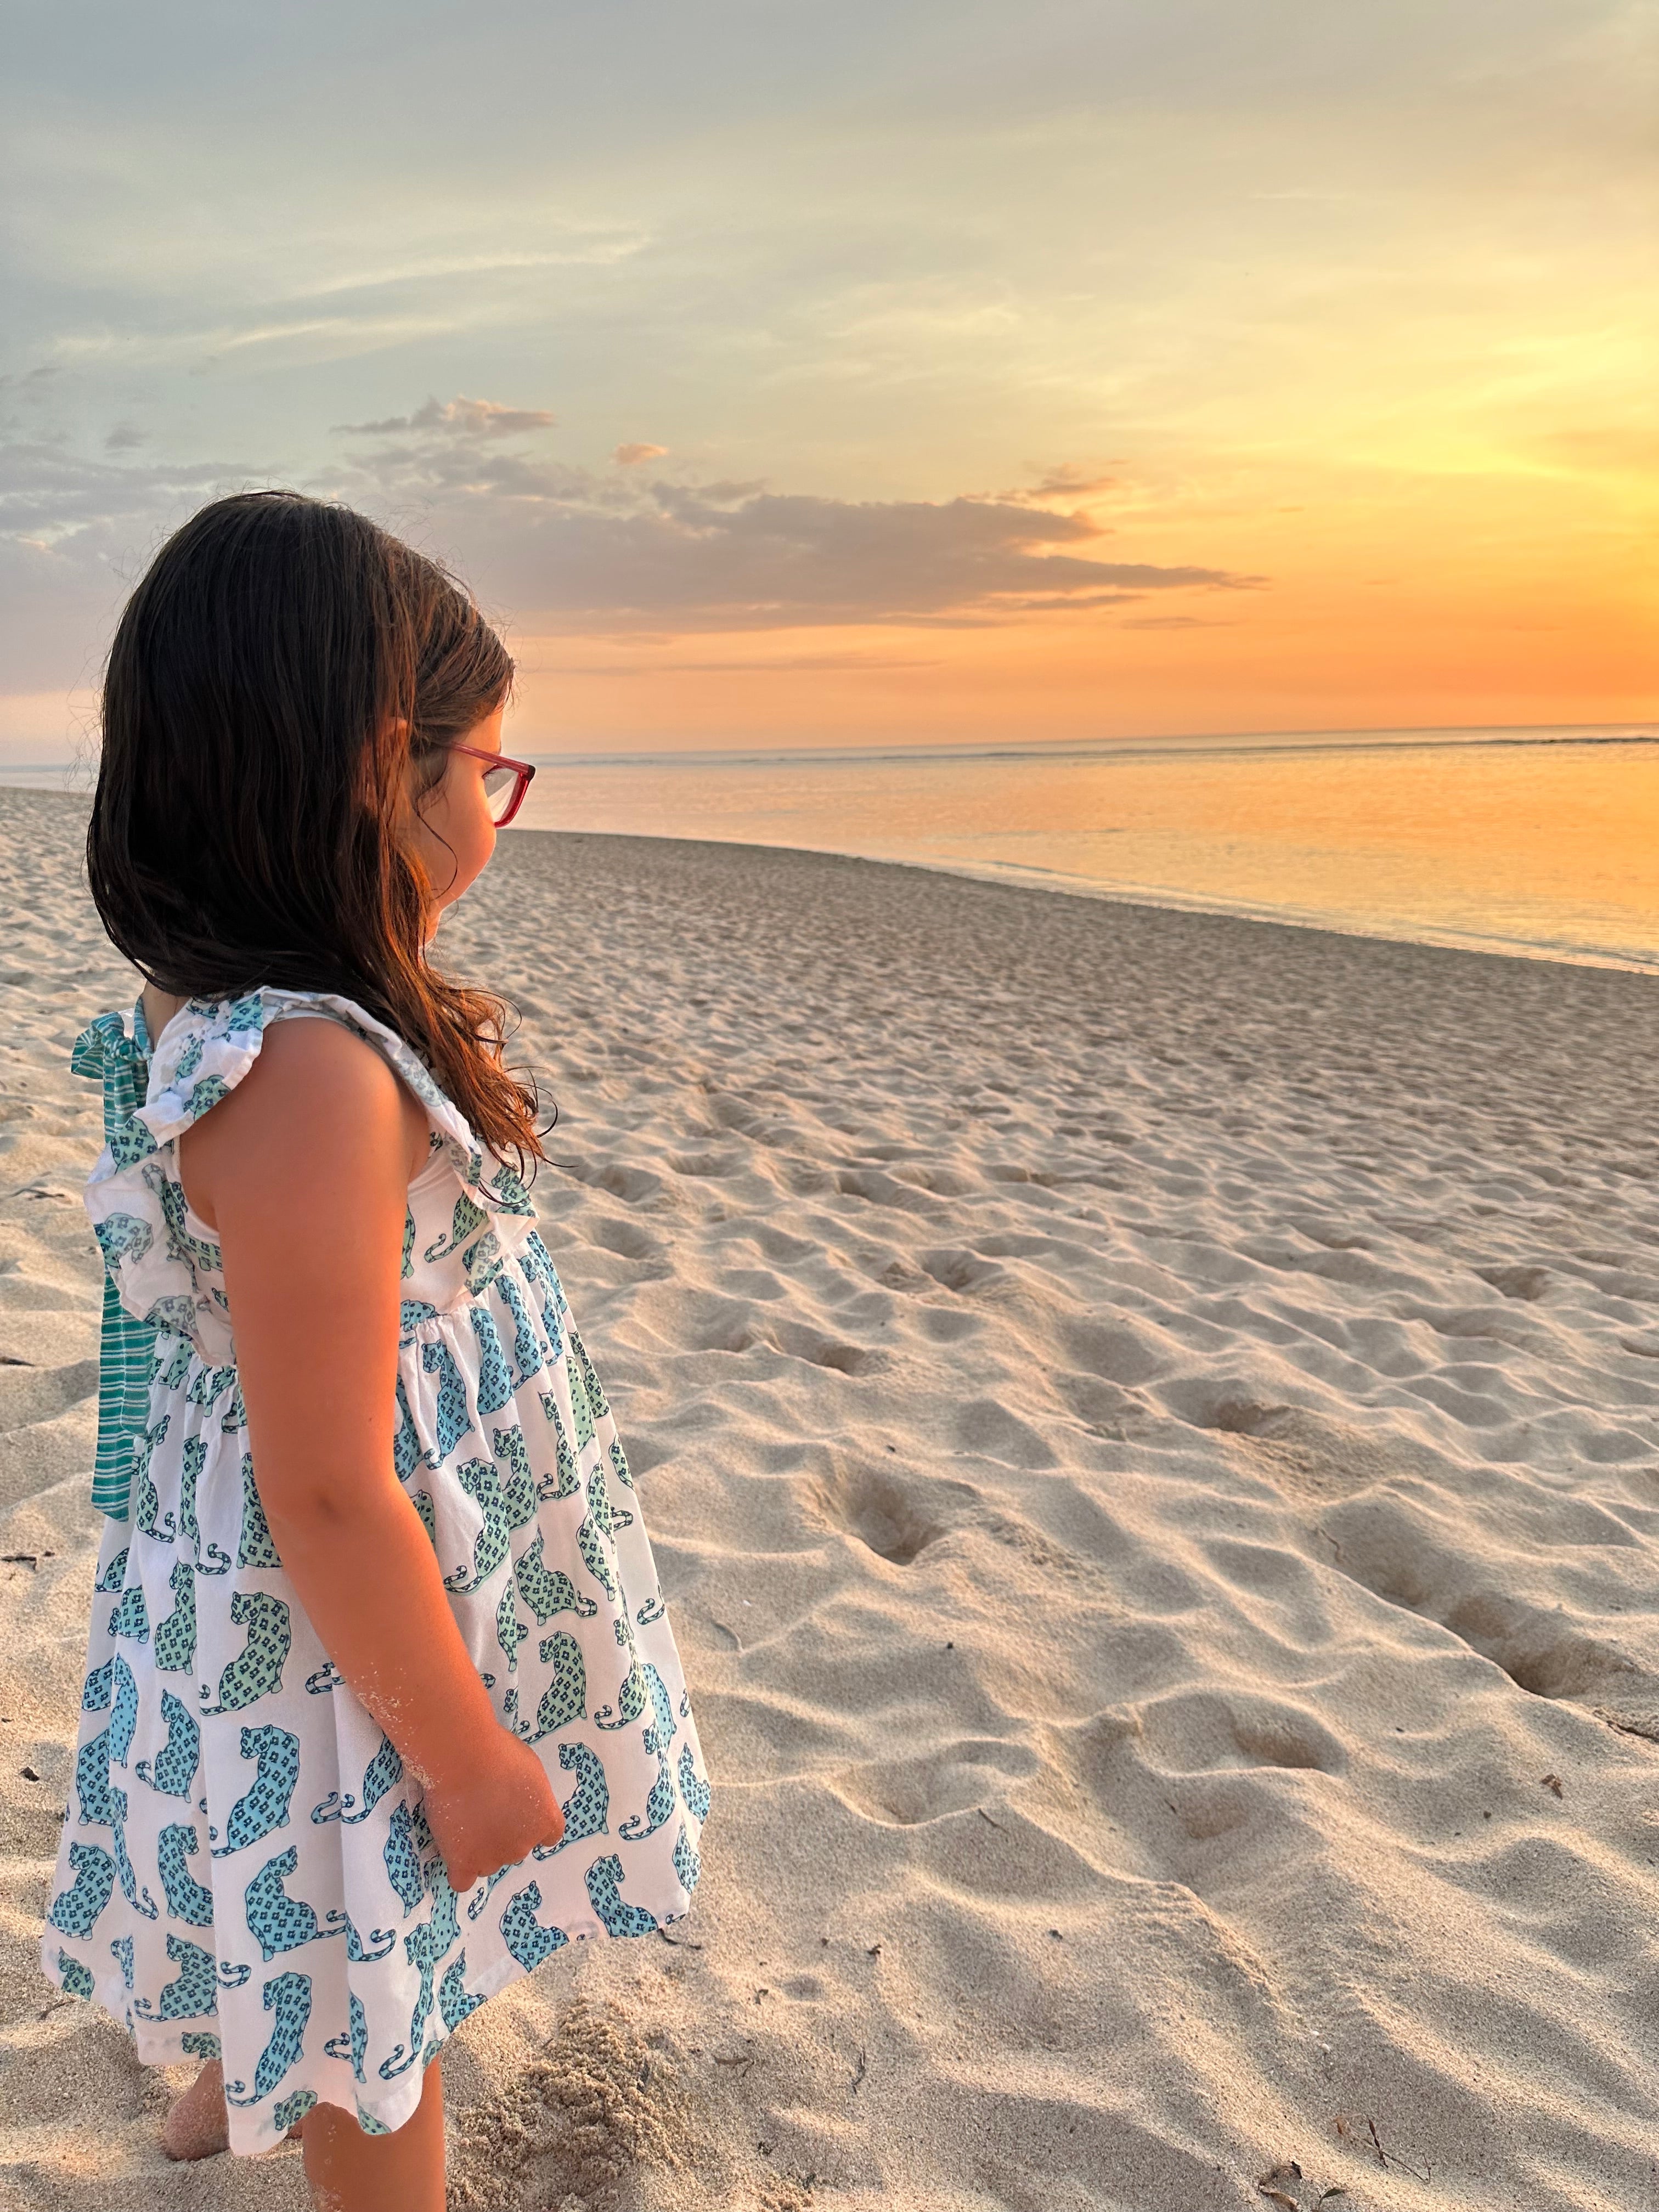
(197, 2124)
(350, 2171)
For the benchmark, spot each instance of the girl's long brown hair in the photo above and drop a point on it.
(282, 687)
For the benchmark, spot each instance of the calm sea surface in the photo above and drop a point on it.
(1534, 842)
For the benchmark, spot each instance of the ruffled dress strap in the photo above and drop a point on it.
(136, 1198)
(104, 1054)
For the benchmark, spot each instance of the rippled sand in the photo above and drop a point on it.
(1147, 1422)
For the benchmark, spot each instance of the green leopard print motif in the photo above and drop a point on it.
(145, 1503)
(257, 1672)
(548, 1591)
(174, 1646)
(256, 1548)
(478, 1478)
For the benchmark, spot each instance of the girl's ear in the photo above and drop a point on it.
(421, 777)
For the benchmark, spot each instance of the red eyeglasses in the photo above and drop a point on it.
(505, 784)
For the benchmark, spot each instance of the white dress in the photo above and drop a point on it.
(246, 1869)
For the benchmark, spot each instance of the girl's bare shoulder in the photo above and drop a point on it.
(319, 1101)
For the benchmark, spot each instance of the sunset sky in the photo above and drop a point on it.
(887, 371)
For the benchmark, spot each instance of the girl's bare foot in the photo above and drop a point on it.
(198, 2125)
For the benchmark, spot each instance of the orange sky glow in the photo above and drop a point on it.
(927, 377)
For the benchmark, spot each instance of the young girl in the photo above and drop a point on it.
(382, 1707)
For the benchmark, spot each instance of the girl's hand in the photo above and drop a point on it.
(496, 1814)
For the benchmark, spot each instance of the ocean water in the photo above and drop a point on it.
(1542, 842)
(1539, 843)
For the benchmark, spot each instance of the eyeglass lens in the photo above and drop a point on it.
(500, 784)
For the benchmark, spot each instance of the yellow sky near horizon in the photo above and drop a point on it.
(1496, 588)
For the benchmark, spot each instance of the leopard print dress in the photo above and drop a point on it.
(245, 1870)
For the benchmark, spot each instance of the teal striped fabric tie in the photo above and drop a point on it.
(106, 1053)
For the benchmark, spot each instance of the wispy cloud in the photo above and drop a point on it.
(75, 534)
(463, 417)
(1069, 481)
(630, 456)
(787, 664)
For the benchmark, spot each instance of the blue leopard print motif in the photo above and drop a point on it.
(278, 1922)
(586, 1810)
(495, 1377)
(175, 1766)
(123, 1711)
(661, 1805)
(193, 1994)
(264, 1805)
(456, 2002)
(76, 1911)
(288, 1997)
(210, 1560)
(604, 1888)
(529, 1942)
(146, 1504)
(478, 1478)
(354, 2043)
(564, 1701)
(694, 1795)
(386, 1768)
(518, 1484)
(528, 1358)
(186, 1898)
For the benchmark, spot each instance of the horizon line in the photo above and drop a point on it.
(1403, 735)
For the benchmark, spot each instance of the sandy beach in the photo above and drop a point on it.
(1148, 1423)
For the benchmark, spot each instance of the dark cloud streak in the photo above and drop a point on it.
(565, 547)
(561, 548)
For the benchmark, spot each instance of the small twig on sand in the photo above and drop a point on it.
(1646, 1730)
(1385, 2158)
(984, 1815)
(863, 2069)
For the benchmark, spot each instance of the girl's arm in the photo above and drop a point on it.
(303, 1172)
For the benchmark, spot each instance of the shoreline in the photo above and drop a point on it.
(1051, 884)
(1058, 882)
